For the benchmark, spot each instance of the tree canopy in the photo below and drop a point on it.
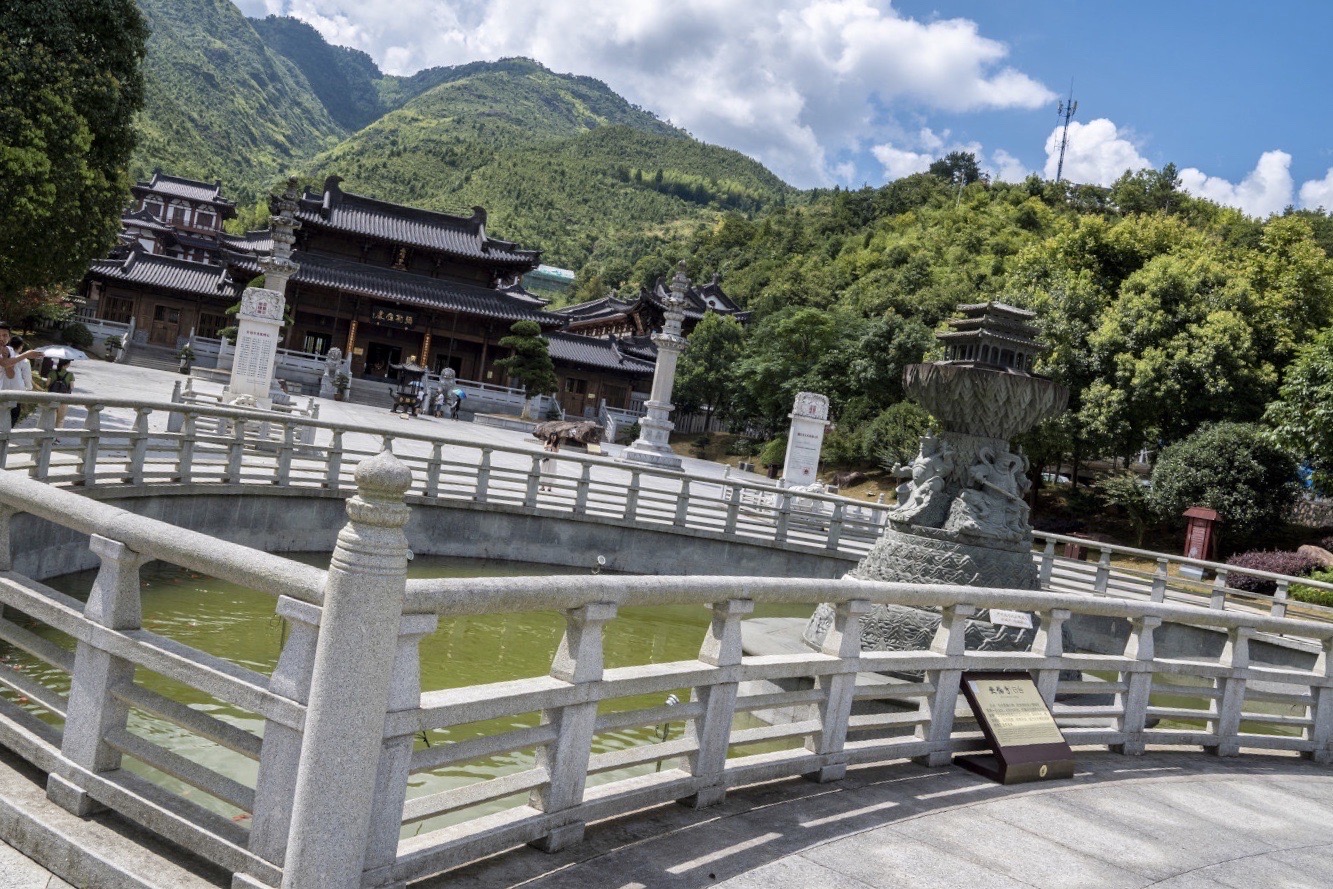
(529, 361)
(70, 84)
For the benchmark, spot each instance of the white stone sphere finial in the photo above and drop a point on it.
(381, 482)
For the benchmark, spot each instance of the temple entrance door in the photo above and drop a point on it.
(166, 326)
(378, 358)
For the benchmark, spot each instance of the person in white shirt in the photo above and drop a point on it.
(11, 375)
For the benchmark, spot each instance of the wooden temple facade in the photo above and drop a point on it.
(382, 282)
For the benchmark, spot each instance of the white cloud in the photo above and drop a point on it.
(899, 162)
(793, 83)
(1097, 153)
(1008, 168)
(1266, 189)
(1318, 193)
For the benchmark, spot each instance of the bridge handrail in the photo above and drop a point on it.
(346, 700)
(810, 520)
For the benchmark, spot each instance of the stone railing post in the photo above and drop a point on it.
(835, 528)
(1047, 565)
(682, 504)
(632, 497)
(189, 432)
(1280, 598)
(584, 488)
(1218, 599)
(235, 452)
(282, 467)
(6, 551)
(783, 518)
(1159, 581)
(139, 445)
(1103, 576)
(1048, 641)
(280, 756)
(733, 510)
(41, 464)
(433, 466)
(1320, 734)
(333, 472)
(951, 641)
(92, 425)
(1137, 677)
(535, 481)
(712, 730)
(484, 476)
(5, 428)
(350, 684)
(578, 661)
(1231, 691)
(396, 753)
(835, 704)
(93, 710)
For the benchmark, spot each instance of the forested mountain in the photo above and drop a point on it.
(560, 161)
(219, 103)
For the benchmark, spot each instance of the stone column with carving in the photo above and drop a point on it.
(259, 321)
(652, 447)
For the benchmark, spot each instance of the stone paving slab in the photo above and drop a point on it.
(1170, 819)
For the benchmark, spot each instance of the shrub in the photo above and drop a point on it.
(1232, 468)
(894, 436)
(1325, 543)
(741, 447)
(1302, 593)
(1274, 561)
(701, 444)
(774, 451)
(630, 434)
(77, 335)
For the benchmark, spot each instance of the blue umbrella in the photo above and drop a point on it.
(458, 392)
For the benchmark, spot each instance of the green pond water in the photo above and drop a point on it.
(239, 624)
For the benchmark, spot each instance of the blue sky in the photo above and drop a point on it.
(856, 92)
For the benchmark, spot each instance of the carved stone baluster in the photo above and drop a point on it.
(1320, 734)
(783, 518)
(482, 493)
(333, 472)
(682, 504)
(189, 440)
(6, 427)
(712, 730)
(835, 527)
(632, 498)
(396, 754)
(578, 661)
(1047, 565)
(282, 467)
(581, 494)
(139, 445)
(1103, 576)
(1231, 699)
(92, 425)
(1281, 596)
(93, 710)
(1159, 581)
(433, 465)
(235, 451)
(534, 481)
(350, 684)
(1218, 599)
(837, 690)
(951, 641)
(1048, 641)
(1137, 677)
(46, 423)
(733, 510)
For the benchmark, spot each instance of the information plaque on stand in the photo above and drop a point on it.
(1027, 744)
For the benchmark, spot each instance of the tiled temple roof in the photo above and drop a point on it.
(600, 353)
(166, 273)
(417, 290)
(462, 236)
(187, 189)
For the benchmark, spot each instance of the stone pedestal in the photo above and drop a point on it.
(259, 323)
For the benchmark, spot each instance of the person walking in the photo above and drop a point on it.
(547, 470)
(61, 382)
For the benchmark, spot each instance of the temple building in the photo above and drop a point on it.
(643, 315)
(382, 282)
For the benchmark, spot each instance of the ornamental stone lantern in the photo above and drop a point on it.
(961, 516)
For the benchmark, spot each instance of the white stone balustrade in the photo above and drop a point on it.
(344, 702)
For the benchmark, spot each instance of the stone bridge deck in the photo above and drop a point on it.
(1168, 820)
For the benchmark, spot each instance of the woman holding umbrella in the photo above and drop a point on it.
(11, 377)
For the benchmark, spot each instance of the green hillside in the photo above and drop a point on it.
(561, 163)
(345, 80)
(219, 103)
